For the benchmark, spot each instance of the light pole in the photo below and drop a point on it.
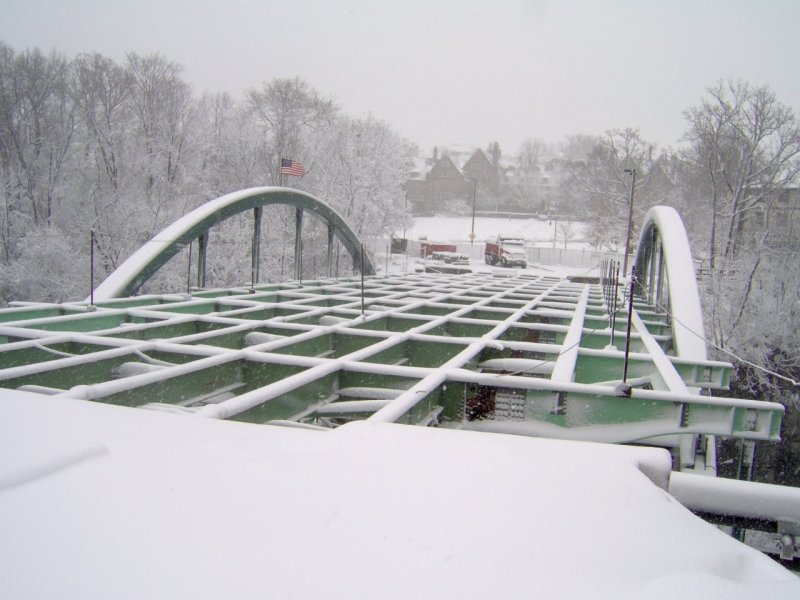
(405, 216)
(474, 190)
(630, 222)
(405, 241)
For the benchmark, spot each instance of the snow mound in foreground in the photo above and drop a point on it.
(98, 501)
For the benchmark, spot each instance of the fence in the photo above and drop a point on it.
(547, 256)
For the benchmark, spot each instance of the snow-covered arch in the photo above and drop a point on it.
(148, 259)
(666, 276)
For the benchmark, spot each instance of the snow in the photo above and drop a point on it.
(99, 501)
(684, 298)
(538, 231)
(739, 498)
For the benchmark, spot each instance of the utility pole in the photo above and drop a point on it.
(405, 216)
(474, 190)
(630, 222)
(405, 241)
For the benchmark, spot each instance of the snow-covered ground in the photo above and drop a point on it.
(544, 251)
(100, 501)
(534, 231)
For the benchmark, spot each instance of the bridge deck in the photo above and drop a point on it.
(448, 349)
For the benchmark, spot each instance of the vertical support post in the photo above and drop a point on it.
(329, 259)
(747, 457)
(298, 244)
(660, 279)
(91, 267)
(630, 223)
(614, 290)
(189, 271)
(202, 249)
(654, 255)
(363, 303)
(256, 256)
(630, 318)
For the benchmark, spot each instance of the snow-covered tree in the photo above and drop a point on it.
(745, 146)
(287, 112)
(601, 185)
(360, 167)
(36, 130)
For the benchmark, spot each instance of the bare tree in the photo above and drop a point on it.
(287, 110)
(602, 185)
(529, 188)
(165, 109)
(746, 147)
(747, 144)
(360, 167)
(36, 127)
(102, 91)
(227, 146)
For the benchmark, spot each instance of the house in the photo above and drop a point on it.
(448, 188)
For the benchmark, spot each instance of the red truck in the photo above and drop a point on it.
(427, 249)
(507, 251)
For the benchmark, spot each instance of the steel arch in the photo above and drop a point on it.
(666, 276)
(148, 259)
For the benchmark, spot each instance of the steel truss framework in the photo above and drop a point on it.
(504, 351)
(421, 349)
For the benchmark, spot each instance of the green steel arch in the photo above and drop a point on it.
(666, 276)
(148, 259)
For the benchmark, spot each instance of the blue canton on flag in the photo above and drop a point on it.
(292, 167)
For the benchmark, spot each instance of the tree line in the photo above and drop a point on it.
(88, 144)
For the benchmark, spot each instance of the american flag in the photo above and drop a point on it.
(292, 167)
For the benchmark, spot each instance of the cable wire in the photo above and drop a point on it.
(785, 378)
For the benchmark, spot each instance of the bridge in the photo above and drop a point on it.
(610, 359)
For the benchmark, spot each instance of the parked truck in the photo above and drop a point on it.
(507, 251)
(427, 249)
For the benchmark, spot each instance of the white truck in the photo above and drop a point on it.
(507, 251)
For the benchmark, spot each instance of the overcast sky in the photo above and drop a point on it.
(447, 72)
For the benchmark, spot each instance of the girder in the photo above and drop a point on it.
(666, 278)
